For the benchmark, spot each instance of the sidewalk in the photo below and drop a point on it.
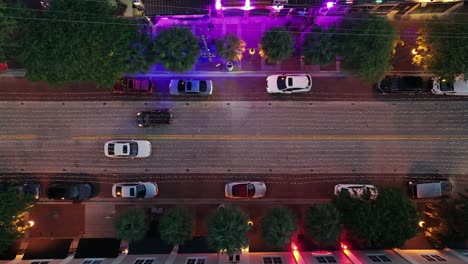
(251, 30)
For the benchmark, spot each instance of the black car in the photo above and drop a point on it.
(154, 118)
(71, 191)
(400, 84)
(30, 189)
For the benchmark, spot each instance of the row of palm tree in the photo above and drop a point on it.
(228, 227)
(275, 46)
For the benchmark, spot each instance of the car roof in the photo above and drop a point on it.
(297, 81)
(191, 85)
(460, 85)
(401, 83)
(156, 116)
(120, 148)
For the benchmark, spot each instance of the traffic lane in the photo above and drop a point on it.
(225, 89)
(243, 154)
(118, 119)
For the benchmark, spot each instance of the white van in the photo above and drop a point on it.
(429, 189)
(445, 87)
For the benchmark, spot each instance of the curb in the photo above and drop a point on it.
(21, 73)
(176, 201)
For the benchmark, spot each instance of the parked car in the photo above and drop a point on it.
(245, 189)
(456, 87)
(432, 189)
(359, 191)
(154, 118)
(134, 86)
(69, 191)
(191, 87)
(400, 84)
(3, 66)
(29, 189)
(289, 83)
(134, 190)
(127, 149)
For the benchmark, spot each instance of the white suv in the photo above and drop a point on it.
(127, 149)
(134, 190)
(289, 83)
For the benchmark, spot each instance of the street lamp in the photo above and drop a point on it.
(252, 53)
(421, 224)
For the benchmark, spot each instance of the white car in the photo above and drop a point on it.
(357, 190)
(127, 149)
(245, 189)
(134, 190)
(458, 87)
(289, 83)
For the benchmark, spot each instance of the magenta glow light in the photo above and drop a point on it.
(330, 4)
(276, 7)
(247, 5)
(218, 5)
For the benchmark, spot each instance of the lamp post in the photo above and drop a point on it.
(252, 53)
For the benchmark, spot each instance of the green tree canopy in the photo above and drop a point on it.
(8, 26)
(80, 41)
(451, 216)
(177, 49)
(230, 47)
(13, 208)
(131, 225)
(441, 49)
(277, 226)
(367, 44)
(386, 222)
(176, 226)
(276, 45)
(227, 230)
(323, 224)
(320, 46)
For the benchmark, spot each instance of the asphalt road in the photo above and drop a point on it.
(239, 137)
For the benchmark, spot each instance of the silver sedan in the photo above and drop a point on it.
(191, 87)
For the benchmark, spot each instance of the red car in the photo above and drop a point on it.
(134, 86)
(3, 66)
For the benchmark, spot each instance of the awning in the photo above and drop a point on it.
(176, 7)
(98, 248)
(47, 249)
(196, 245)
(11, 251)
(150, 245)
